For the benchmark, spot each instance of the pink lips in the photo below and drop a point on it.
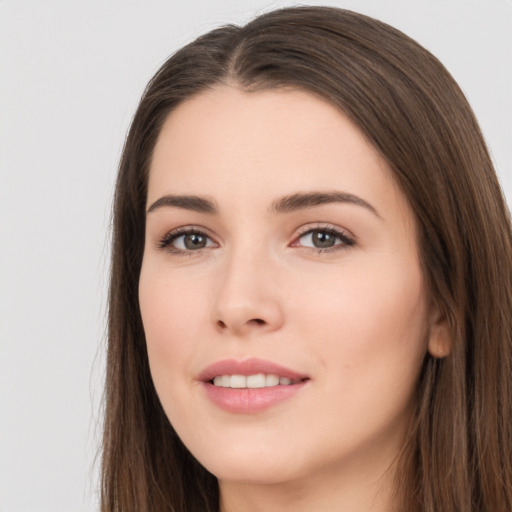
(247, 400)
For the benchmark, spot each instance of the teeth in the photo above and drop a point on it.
(259, 380)
(238, 381)
(256, 381)
(271, 380)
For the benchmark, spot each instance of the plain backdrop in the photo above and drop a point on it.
(71, 73)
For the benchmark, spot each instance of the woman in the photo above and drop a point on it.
(311, 282)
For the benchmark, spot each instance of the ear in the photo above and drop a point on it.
(440, 342)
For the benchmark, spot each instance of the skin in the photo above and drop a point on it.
(356, 318)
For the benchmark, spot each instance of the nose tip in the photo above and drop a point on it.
(246, 302)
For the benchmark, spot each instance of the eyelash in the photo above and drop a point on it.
(346, 241)
(167, 240)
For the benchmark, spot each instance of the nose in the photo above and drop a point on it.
(247, 296)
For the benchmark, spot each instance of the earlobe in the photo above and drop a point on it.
(440, 340)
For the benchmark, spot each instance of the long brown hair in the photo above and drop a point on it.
(458, 456)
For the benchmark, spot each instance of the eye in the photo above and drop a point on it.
(186, 240)
(324, 239)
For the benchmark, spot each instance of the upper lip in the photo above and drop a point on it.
(251, 366)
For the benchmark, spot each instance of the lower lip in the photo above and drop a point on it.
(247, 401)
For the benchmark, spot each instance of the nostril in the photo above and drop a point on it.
(239, 323)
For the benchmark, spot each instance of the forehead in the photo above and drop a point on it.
(259, 145)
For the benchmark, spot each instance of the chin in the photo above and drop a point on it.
(256, 467)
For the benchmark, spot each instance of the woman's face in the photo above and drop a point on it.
(279, 252)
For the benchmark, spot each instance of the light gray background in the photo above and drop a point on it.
(71, 73)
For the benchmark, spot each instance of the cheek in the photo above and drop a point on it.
(370, 324)
(369, 338)
(170, 309)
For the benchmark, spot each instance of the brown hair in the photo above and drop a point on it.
(458, 456)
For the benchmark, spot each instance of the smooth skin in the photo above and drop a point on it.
(333, 290)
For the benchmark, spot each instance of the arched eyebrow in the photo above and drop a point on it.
(194, 203)
(301, 201)
(286, 204)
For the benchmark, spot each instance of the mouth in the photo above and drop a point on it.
(250, 386)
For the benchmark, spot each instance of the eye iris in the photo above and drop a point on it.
(194, 241)
(323, 239)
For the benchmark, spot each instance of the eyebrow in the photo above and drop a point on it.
(194, 203)
(306, 200)
(286, 204)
